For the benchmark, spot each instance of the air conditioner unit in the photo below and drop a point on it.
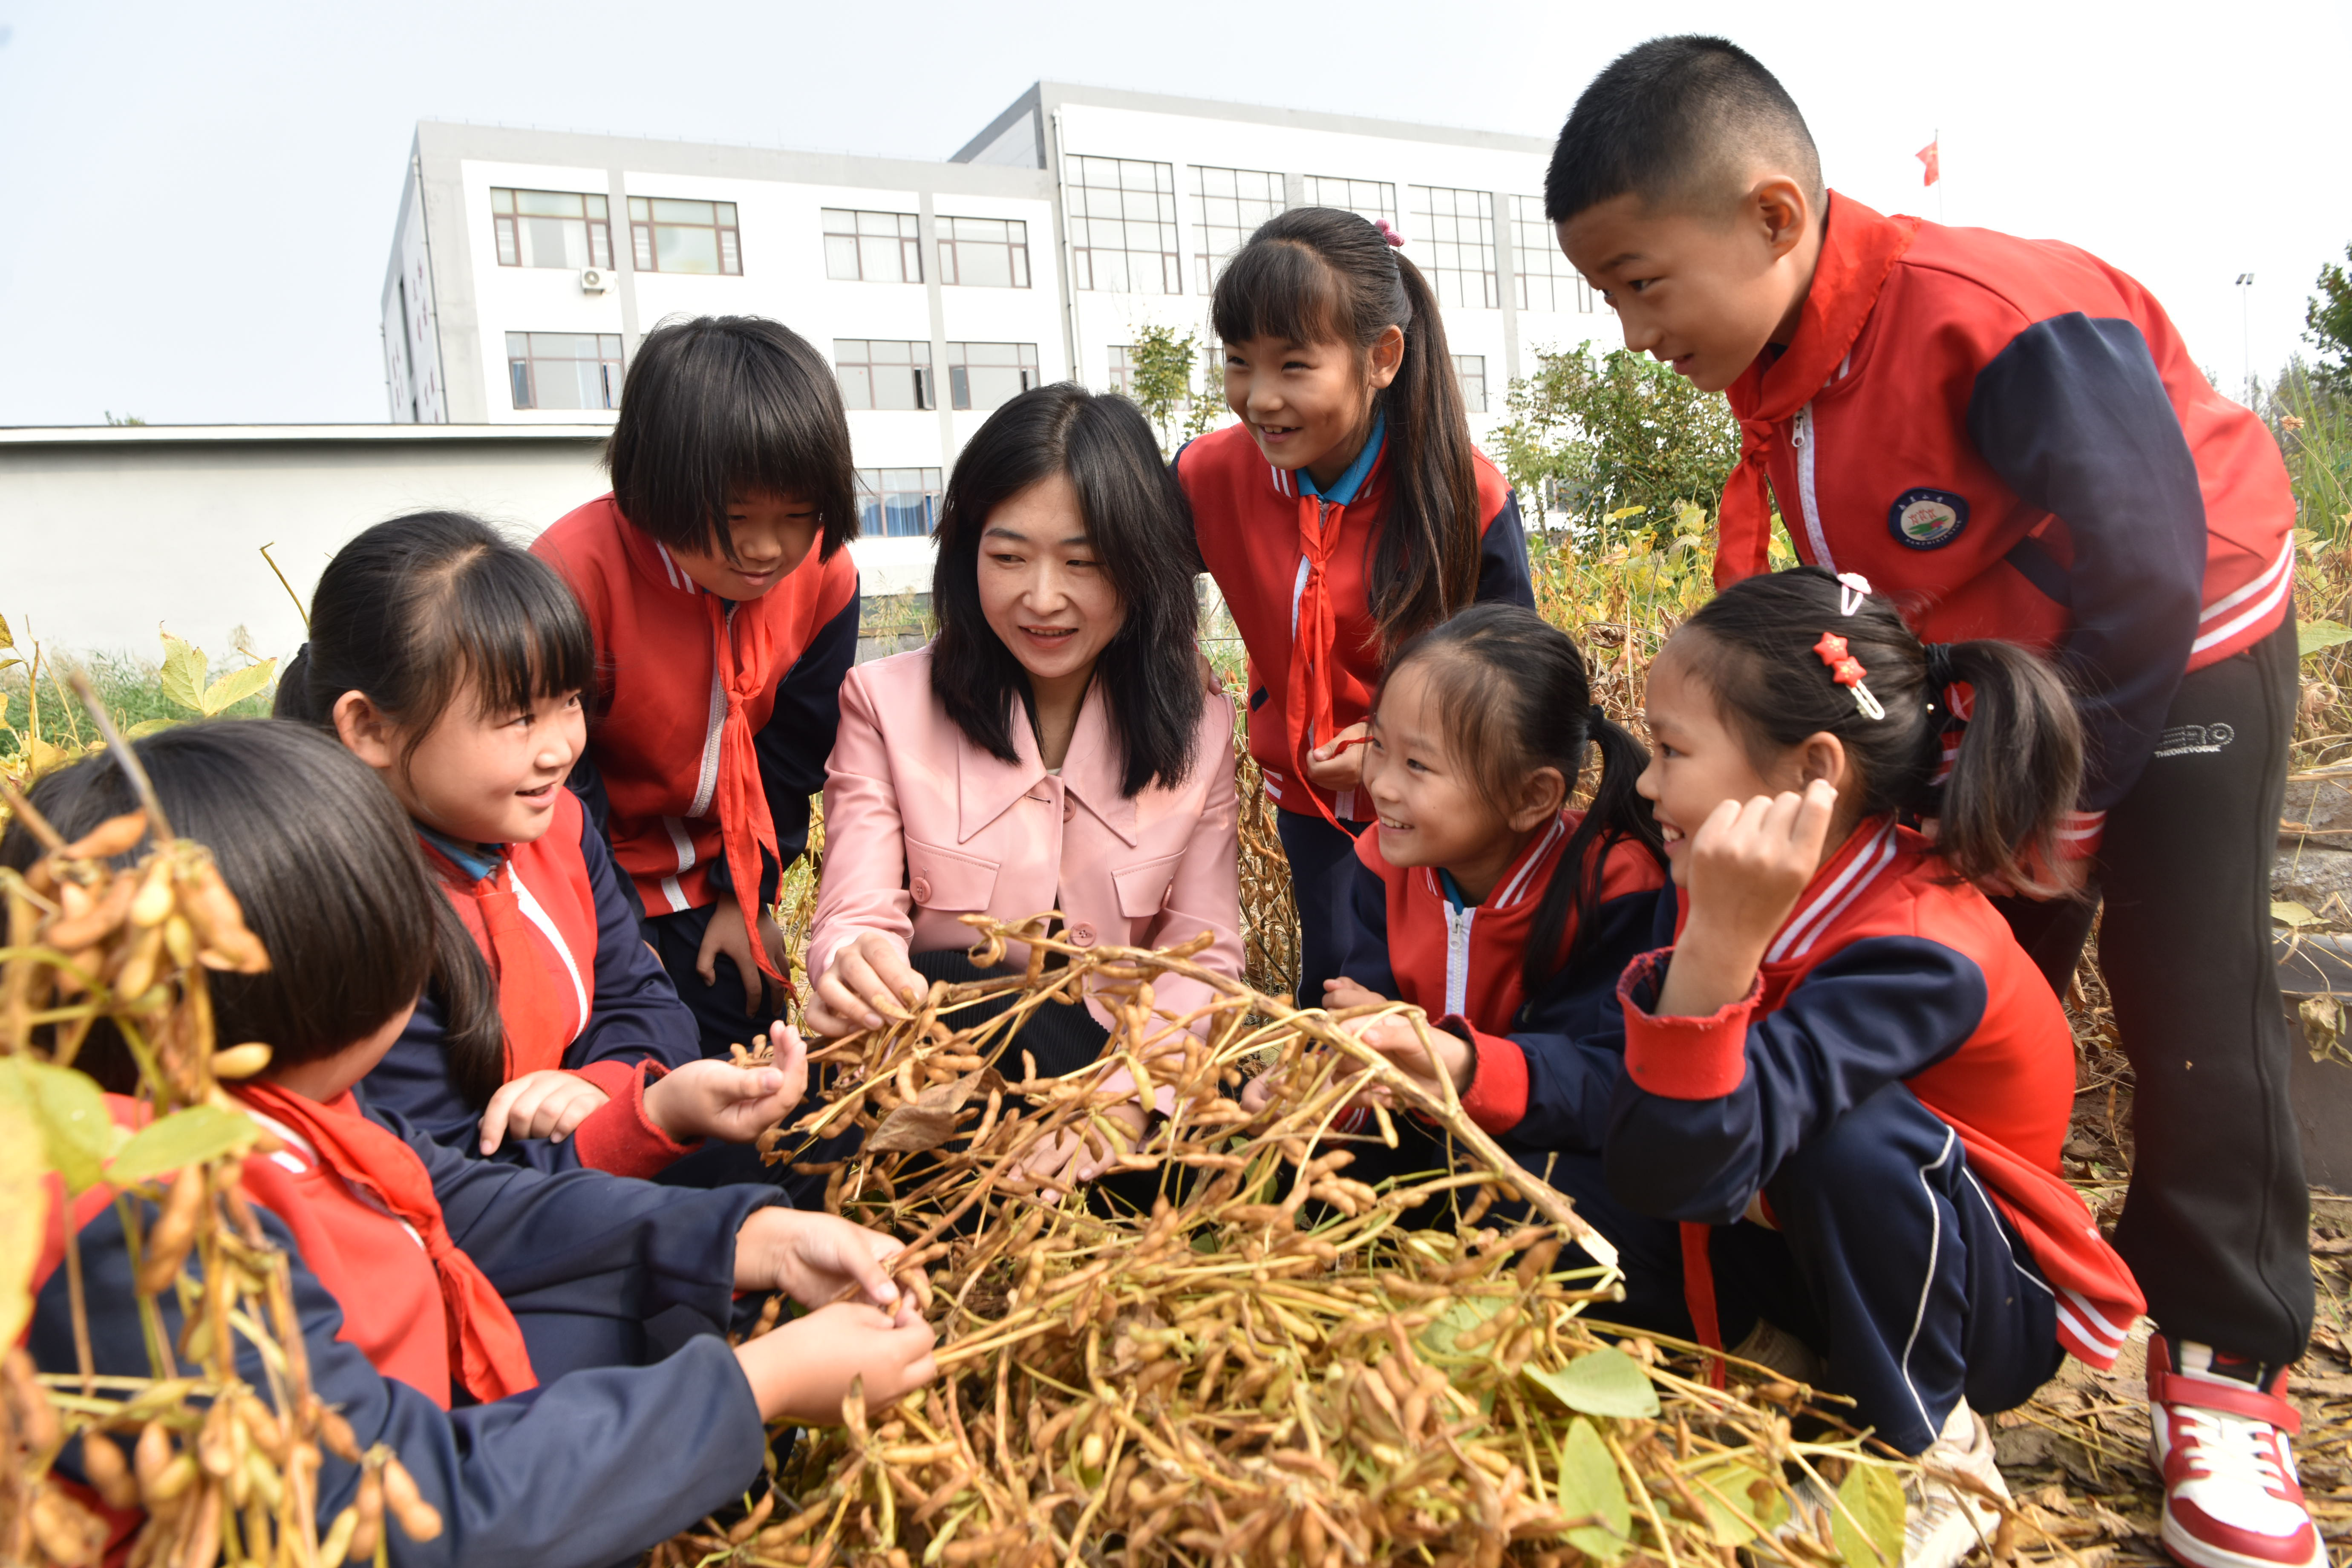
(596, 279)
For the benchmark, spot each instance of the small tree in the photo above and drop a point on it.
(1608, 442)
(2328, 324)
(1160, 381)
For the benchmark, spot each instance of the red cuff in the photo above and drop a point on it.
(619, 1137)
(1682, 1058)
(1497, 1098)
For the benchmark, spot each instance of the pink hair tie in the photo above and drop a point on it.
(1392, 236)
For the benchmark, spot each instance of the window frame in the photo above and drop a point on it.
(925, 373)
(522, 373)
(951, 259)
(727, 240)
(1382, 209)
(1440, 254)
(1079, 171)
(873, 507)
(506, 228)
(909, 235)
(1462, 381)
(1209, 259)
(960, 369)
(1534, 234)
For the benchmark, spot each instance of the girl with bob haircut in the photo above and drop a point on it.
(403, 1324)
(1836, 1140)
(1052, 749)
(452, 663)
(1346, 511)
(724, 615)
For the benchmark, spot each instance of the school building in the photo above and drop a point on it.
(526, 265)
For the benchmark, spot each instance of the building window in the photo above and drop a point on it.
(897, 503)
(1470, 370)
(1122, 369)
(1456, 232)
(1227, 206)
(983, 252)
(878, 374)
(989, 375)
(1546, 281)
(550, 228)
(564, 370)
(684, 236)
(1123, 224)
(872, 248)
(1371, 199)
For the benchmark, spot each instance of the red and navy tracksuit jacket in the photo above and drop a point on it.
(1539, 1079)
(656, 745)
(585, 1468)
(1294, 568)
(2009, 437)
(597, 1002)
(1887, 972)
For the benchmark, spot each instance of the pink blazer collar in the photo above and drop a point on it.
(987, 787)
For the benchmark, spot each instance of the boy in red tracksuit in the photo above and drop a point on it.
(725, 613)
(2009, 437)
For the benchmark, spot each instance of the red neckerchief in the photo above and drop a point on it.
(740, 801)
(486, 1348)
(1859, 250)
(1311, 709)
(529, 1007)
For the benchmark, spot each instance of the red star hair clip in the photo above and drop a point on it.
(1847, 671)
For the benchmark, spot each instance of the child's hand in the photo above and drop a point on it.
(803, 1370)
(547, 1104)
(726, 935)
(868, 983)
(1211, 682)
(1338, 764)
(1394, 1036)
(813, 1258)
(1259, 1092)
(1748, 865)
(719, 1100)
(1341, 993)
(1071, 1158)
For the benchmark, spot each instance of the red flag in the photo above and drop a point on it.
(1928, 155)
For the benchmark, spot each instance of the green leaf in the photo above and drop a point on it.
(183, 673)
(1742, 1503)
(1458, 1319)
(146, 727)
(7, 638)
(2310, 636)
(1606, 1381)
(24, 1217)
(1871, 1498)
(1589, 1486)
(184, 1138)
(2287, 912)
(69, 1112)
(238, 685)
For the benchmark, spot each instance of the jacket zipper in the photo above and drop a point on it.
(1806, 442)
(1457, 958)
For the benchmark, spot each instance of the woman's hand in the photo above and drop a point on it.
(813, 1258)
(803, 1370)
(547, 1104)
(1339, 763)
(719, 1100)
(1748, 863)
(868, 983)
(726, 935)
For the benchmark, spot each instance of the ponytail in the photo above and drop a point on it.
(2018, 763)
(1515, 696)
(1321, 275)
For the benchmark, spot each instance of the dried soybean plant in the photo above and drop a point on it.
(190, 1464)
(1244, 1355)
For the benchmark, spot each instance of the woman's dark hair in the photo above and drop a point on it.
(326, 868)
(1513, 695)
(1318, 275)
(1141, 529)
(2020, 759)
(412, 610)
(725, 406)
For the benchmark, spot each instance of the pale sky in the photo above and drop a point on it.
(196, 202)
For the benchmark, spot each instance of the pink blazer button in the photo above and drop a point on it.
(1082, 935)
(921, 888)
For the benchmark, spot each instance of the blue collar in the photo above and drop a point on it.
(1343, 493)
(480, 861)
(1452, 890)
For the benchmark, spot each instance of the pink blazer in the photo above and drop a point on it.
(921, 826)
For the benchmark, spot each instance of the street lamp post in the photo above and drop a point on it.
(2245, 287)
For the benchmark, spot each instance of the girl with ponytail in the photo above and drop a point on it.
(1835, 1143)
(1347, 512)
(1483, 897)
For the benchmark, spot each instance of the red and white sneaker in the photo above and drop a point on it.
(2231, 1499)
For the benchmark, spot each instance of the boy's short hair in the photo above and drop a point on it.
(729, 403)
(1676, 121)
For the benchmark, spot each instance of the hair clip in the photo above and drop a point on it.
(1392, 236)
(1852, 589)
(1847, 671)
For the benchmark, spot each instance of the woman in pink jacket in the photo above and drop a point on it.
(1051, 750)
